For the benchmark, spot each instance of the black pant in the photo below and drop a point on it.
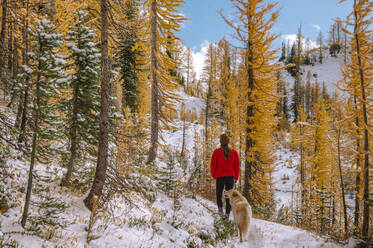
(221, 183)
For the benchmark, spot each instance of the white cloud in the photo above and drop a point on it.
(199, 57)
(307, 44)
(317, 27)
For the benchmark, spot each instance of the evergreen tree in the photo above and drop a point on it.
(82, 110)
(283, 52)
(45, 69)
(307, 94)
(322, 208)
(297, 98)
(320, 43)
(292, 58)
(188, 60)
(167, 176)
(285, 104)
(128, 57)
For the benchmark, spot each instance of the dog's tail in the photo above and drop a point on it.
(245, 221)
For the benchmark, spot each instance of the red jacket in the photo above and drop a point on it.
(220, 167)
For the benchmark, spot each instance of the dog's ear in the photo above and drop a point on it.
(234, 194)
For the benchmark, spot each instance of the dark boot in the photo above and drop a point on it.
(220, 211)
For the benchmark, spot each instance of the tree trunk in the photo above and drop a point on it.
(183, 143)
(240, 152)
(22, 127)
(357, 180)
(341, 179)
(14, 70)
(124, 102)
(19, 112)
(2, 41)
(100, 176)
(249, 163)
(25, 62)
(33, 152)
(10, 48)
(302, 173)
(155, 103)
(365, 228)
(73, 136)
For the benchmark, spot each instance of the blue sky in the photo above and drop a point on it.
(205, 24)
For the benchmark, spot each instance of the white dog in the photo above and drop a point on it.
(241, 209)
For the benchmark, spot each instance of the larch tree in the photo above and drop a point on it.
(358, 83)
(165, 19)
(256, 18)
(341, 143)
(322, 168)
(302, 141)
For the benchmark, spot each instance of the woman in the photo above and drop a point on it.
(225, 168)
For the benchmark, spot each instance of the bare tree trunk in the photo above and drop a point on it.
(33, 153)
(10, 47)
(302, 175)
(73, 136)
(365, 228)
(341, 179)
(155, 103)
(19, 112)
(26, 82)
(357, 180)
(15, 66)
(2, 41)
(183, 143)
(100, 176)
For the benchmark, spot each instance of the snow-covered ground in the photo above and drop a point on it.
(153, 223)
(329, 72)
(285, 175)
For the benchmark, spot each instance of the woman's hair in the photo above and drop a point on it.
(224, 141)
(226, 151)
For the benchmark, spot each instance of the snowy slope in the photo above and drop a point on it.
(329, 72)
(285, 176)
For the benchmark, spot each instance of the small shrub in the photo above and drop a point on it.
(7, 241)
(223, 228)
(192, 242)
(138, 222)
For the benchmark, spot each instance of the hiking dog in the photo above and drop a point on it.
(241, 211)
